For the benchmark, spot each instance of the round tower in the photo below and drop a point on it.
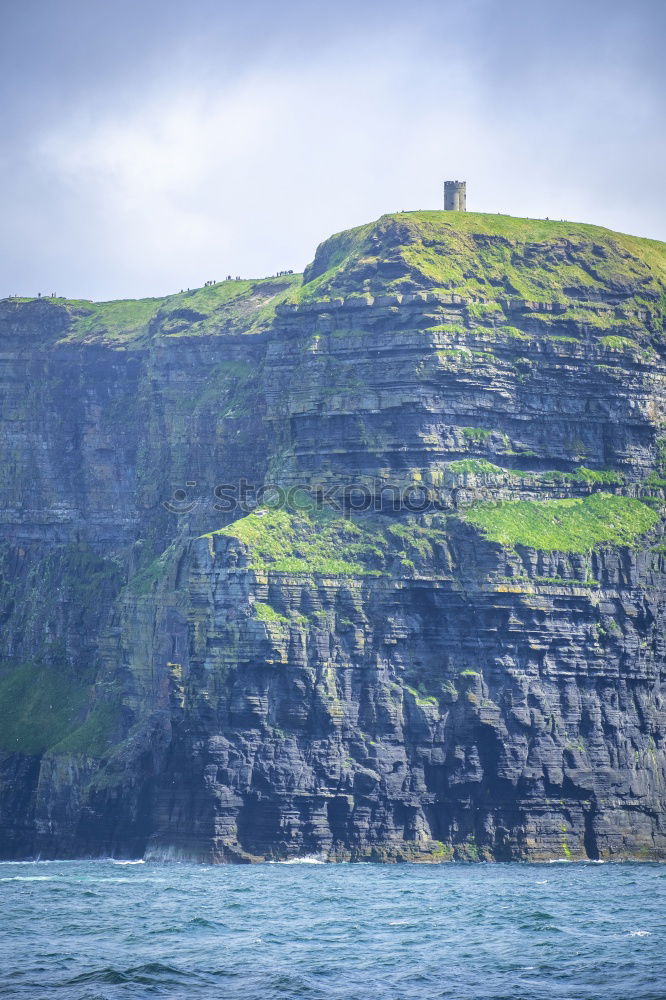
(455, 196)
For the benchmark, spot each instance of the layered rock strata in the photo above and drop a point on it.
(446, 640)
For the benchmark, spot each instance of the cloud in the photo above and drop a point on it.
(213, 156)
(201, 179)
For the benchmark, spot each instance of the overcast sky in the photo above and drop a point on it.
(148, 145)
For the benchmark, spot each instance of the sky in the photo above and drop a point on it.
(152, 145)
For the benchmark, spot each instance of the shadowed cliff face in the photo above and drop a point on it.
(462, 656)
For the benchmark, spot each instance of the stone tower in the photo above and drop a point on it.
(455, 196)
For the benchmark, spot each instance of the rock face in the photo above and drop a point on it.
(439, 631)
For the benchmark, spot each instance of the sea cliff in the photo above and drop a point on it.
(437, 633)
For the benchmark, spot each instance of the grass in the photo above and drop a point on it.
(606, 477)
(124, 319)
(569, 525)
(92, 737)
(580, 476)
(146, 579)
(487, 257)
(416, 542)
(38, 707)
(483, 310)
(475, 466)
(321, 542)
(267, 613)
(420, 697)
(442, 852)
(618, 343)
(244, 306)
(316, 542)
(513, 332)
(41, 709)
(475, 433)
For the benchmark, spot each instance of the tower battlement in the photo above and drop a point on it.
(455, 196)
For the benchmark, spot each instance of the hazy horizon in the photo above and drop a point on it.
(148, 150)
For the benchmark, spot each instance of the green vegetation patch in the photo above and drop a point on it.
(320, 541)
(618, 343)
(146, 579)
(244, 306)
(513, 332)
(38, 707)
(42, 708)
(447, 328)
(420, 696)
(569, 525)
(606, 477)
(475, 433)
(316, 541)
(93, 736)
(120, 320)
(267, 613)
(417, 541)
(581, 476)
(489, 259)
(477, 467)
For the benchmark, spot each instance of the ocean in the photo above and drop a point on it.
(101, 930)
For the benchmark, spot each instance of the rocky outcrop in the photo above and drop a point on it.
(440, 631)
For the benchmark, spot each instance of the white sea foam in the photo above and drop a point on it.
(307, 859)
(141, 861)
(29, 878)
(45, 861)
(639, 933)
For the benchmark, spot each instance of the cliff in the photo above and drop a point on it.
(367, 562)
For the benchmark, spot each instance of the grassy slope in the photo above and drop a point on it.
(320, 541)
(296, 542)
(41, 708)
(245, 306)
(489, 256)
(570, 525)
(37, 708)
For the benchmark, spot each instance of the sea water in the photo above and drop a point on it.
(107, 929)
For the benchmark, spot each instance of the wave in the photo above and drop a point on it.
(48, 861)
(30, 878)
(150, 974)
(307, 859)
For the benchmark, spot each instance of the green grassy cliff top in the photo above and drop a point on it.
(489, 257)
(477, 256)
(227, 307)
